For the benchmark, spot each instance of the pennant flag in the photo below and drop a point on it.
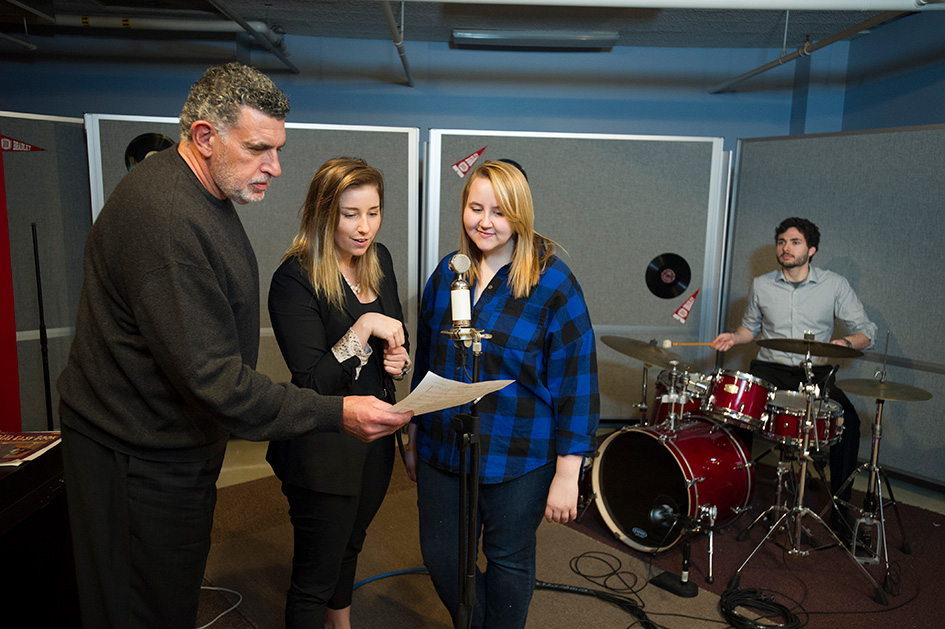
(682, 313)
(9, 144)
(462, 166)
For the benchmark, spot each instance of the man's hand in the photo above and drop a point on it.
(724, 341)
(367, 418)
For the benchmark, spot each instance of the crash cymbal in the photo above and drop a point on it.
(884, 390)
(649, 353)
(816, 348)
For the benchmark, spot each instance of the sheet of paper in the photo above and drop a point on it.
(435, 393)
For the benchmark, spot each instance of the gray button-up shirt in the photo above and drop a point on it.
(777, 310)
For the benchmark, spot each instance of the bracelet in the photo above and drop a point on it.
(848, 342)
(410, 448)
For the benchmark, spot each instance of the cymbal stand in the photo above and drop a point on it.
(872, 515)
(796, 514)
(645, 420)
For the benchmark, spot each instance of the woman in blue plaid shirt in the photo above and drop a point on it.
(535, 432)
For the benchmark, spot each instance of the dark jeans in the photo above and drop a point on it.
(329, 532)
(141, 534)
(509, 515)
(843, 454)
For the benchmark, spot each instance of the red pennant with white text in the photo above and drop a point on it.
(9, 144)
(463, 166)
(682, 313)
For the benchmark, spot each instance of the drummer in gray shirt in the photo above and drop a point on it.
(790, 302)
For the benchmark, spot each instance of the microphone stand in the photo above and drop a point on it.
(466, 425)
(681, 585)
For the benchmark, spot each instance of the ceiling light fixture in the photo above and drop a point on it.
(532, 39)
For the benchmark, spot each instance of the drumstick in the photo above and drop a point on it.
(667, 344)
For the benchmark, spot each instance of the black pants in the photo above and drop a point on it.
(329, 532)
(141, 534)
(843, 454)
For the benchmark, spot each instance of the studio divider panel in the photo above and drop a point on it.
(632, 213)
(46, 183)
(877, 198)
(272, 223)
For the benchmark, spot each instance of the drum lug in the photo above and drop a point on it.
(690, 483)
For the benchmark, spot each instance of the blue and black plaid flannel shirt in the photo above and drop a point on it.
(544, 342)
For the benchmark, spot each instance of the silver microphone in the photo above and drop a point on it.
(460, 302)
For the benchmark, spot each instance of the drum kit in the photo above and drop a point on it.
(682, 471)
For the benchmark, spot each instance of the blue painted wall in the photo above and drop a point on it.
(896, 76)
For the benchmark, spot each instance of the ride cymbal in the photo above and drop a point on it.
(884, 390)
(816, 348)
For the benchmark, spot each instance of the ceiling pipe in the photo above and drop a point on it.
(28, 45)
(165, 24)
(398, 36)
(808, 48)
(36, 12)
(752, 5)
(262, 39)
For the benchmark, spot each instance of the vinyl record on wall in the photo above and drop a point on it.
(145, 145)
(668, 275)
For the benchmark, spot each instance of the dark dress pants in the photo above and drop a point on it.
(141, 534)
(329, 532)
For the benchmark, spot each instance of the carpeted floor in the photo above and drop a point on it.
(252, 547)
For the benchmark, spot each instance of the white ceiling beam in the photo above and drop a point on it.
(752, 5)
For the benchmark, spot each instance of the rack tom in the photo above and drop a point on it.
(738, 398)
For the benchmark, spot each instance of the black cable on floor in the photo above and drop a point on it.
(755, 599)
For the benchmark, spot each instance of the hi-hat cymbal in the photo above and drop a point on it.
(884, 390)
(816, 348)
(647, 352)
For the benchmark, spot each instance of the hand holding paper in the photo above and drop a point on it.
(434, 393)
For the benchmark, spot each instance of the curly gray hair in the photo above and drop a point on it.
(222, 90)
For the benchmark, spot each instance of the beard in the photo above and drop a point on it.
(228, 181)
(798, 261)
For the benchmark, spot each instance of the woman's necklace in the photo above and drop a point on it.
(355, 288)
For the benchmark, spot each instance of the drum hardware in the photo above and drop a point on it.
(681, 585)
(793, 518)
(787, 456)
(648, 354)
(872, 515)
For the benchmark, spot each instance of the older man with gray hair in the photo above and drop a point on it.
(162, 367)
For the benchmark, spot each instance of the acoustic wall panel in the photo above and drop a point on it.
(616, 204)
(272, 223)
(46, 184)
(877, 198)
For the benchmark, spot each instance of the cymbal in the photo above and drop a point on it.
(816, 348)
(647, 352)
(884, 390)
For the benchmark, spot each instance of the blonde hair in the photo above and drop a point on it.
(314, 245)
(531, 250)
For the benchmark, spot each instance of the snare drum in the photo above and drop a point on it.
(786, 414)
(678, 398)
(641, 476)
(738, 398)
